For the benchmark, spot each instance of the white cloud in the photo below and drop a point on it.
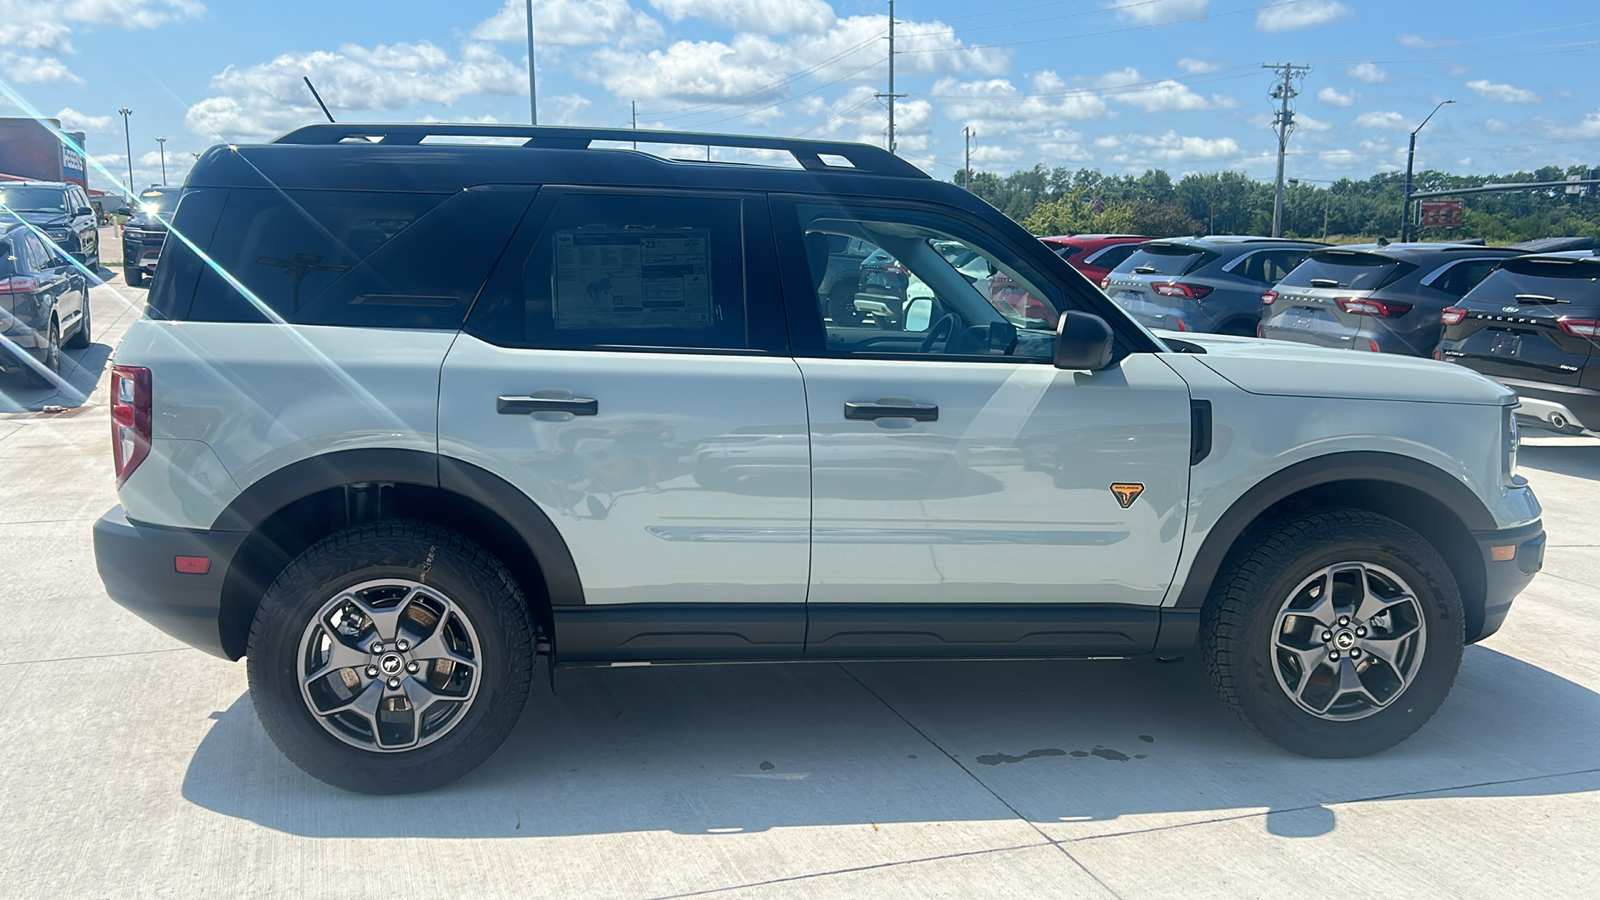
(763, 16)
(1130, 87)
(72, 120)
(1388, 120)
(1173, 147)
(1291, 15)
(1333, 98)
(271, 97)
(570, 23)
(1418, 42)
(27, 69)
(1309, 123)
(996, 106)
(1152, 12)
(1502, 93)
(1197, 66)
(48, 24)
(1368, 73)
(1495, 126)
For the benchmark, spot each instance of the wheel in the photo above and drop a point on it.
(841, 304)
(51, 361)
(1335, 633)
(134, 277)
(1239, 328)
(84, 336)
(390, 658)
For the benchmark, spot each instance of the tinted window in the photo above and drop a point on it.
(172, 289)
(1346, 269)
(358, 259)
(626, 272)
(1112, 256)
(1165, 259)
(1269, 266)
(7, 260)
(1459, 278)
(1542, 282)
(38, 256)
(34, 199)
(1066, 251)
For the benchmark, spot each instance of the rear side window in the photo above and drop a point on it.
(1459, 278)
(364, 259)
(1112, 256)
(1269, 266)
(7, 260)
(1355, 270)
(1066, 251)
(1574, 285)
(1165, 259)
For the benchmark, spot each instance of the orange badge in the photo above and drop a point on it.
(1127, 493)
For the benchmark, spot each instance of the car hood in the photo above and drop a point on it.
(1284, 369)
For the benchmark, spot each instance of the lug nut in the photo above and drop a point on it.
(1334, 655)
(1327, 635)
(377, 647)
(1356, 653)
(1344, 620)
(372, 671)
(404, 646)
(1361, 632)
(394, 682)
(412, 668)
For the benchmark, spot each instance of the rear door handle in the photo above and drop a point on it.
(521, 406)
(862, 411)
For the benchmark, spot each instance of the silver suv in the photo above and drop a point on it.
(406, 415)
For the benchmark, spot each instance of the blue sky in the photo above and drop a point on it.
(1122, 85)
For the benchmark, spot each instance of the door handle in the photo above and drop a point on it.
(896, 409)
(521, 406)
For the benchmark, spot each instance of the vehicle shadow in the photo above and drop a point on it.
(1575, 460)
(1073, 746)
(80, 373)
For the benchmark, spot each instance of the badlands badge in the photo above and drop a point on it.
(1127, 493)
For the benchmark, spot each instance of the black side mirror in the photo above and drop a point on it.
(124, 211)
(84, 211)
(1083, 341)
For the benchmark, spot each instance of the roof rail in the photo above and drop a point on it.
(809, 154)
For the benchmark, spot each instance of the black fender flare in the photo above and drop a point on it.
(1356, 465)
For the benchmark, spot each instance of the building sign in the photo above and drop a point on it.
(1441, 213)
(72, 166)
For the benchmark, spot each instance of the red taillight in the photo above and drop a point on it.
(1180, 289)
(1269, 297)
(18, 284)
(1372, 345)
(1451, 316)
(1105, 283)
(1439, 355)
(1366, 306)
(130, 419)
(1181, 326)
(192, 565)
(1585, 328)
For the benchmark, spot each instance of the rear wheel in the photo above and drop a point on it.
(391, 658)
(1336, 633)
(50, 362)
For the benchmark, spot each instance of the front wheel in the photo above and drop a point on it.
(391, 658)
(1336, 633)
(134, 277)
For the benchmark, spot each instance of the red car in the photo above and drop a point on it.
(1095, 255)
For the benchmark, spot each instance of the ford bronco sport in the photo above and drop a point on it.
(408, 412)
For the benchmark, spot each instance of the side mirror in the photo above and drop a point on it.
(1083, 341)
(124, 211)
(84, 211)
(919, 314)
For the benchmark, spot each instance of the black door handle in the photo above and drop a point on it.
(521, 406)
(921, 412)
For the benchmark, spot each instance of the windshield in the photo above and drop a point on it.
(1165, 259)
(34, 199)
(1541, 282)
(157, 202)
(1356, 271)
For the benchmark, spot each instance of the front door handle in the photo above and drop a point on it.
(891, 409)
(521, 406)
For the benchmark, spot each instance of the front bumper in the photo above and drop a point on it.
(137, 563)
(1511, 557)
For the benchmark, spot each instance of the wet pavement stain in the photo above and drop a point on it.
(767, 767)
(995, 759)
(1108, 753)
(1080, 754)
(1147, 739)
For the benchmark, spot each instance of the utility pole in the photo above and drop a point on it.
(1283, 125)
(128, 143)
(163, 143)
(635, 105)
(1411, 158)
(966, 171)
(891, 96)
(533, 88)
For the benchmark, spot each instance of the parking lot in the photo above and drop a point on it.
(134, 766)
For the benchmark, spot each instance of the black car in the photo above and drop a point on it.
(59, 209)
(145, 232)
(44, 298)
(1380, 298)
(1531, 325)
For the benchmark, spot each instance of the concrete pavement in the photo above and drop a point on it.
(134, 767)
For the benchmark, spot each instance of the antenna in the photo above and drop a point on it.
(318, 97)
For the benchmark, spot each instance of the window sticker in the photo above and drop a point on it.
(633, 279)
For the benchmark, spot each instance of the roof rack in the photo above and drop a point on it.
(811, 155)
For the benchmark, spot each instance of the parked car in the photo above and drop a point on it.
(1531, 325)
(1380, 298)
(59, 209)
(394, 438)
(1209, 284)
(145, 232)
(44, 300)
(1095, 255)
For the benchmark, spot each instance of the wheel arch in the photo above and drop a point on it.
(1420, 496)
(293, 507)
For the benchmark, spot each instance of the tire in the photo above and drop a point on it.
(51, 360)
(84, 336)
(1239, 328)
(1285, 569)
(483, 617)
(134, 277)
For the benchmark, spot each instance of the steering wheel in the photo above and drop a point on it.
(941, 330)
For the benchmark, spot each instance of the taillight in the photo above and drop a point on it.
(130, 419)
(1269, 297)
(18, 284)
(1387, 309)
(1181, 326)
(1105, 283)
(1180, 289)
(1451, 316)
(1372, 345)
(1586, 328)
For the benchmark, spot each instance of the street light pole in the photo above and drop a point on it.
(533, 89)
(127, 142)
(1411, 159)
(163, 142)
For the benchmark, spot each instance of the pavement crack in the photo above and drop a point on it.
(32, 662)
